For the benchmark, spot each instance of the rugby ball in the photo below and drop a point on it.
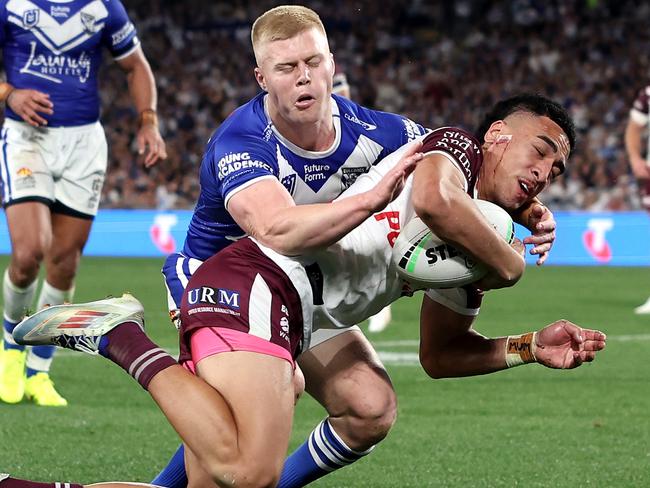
(425, 261)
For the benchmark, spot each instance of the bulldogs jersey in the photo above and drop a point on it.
(55, 47)
(247, 148)
(359, 277)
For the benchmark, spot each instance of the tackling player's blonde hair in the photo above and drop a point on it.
(282, 23)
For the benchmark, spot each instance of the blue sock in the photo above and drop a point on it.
(323, 452)
(173, 475)
(40, 360)
(8, 341)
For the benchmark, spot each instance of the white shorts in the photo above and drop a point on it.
(63, 167)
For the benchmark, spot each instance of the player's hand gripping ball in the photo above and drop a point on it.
(425, 261)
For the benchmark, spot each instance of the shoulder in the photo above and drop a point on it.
(457, 144)
(245, 130)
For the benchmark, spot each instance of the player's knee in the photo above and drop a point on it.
(373, 415)
(25, 262)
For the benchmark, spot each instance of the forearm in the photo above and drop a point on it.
(142, 87)
(299, 229)
(470, 354)
(459, 221)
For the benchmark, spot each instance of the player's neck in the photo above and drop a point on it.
(316, 136)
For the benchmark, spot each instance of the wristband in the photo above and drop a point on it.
(148, 116)
(520, 349)
(5, 91)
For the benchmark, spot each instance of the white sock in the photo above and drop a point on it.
(16, 300)
(39, 358)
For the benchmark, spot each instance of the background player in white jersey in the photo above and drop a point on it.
(636, 132)
(260, 306)
(263, 173)
(54, 156)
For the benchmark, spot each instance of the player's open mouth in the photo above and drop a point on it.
(527, 186)
(305, 101)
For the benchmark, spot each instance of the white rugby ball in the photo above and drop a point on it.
(426, 261)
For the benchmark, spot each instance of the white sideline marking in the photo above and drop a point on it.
(396, 358)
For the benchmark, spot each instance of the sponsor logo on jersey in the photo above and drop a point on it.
(214, 296)
(412, 129)
(316, 172)
(353, 118)
(88, 22)
(595, 241)
(50, 66)
(59, 11)
(122, 34)
(350, 175)
(289, 182)
(234, 162)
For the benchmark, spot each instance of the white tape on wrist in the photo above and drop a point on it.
(520, 349)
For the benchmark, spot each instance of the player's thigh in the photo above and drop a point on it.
(69, 234)
(345, 375)
(260, 391)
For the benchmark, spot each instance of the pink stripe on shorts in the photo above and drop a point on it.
(207, 341)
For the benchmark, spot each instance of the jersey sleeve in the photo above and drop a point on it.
(640, 112)
(460, 147)
(119, 36)
(464, 301)
(239, 161)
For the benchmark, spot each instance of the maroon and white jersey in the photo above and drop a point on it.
(358, 275)
(640, 113)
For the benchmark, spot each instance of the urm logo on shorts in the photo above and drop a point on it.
(207, 294)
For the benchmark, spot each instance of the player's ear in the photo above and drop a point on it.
(495, 130)
(259, 77)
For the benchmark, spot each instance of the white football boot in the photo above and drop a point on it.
(78, 326)
(643, 309)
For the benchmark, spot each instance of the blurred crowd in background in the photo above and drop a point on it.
(438, 63)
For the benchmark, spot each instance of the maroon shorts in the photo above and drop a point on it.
(240, 288)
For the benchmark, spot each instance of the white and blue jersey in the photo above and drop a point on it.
(55, 47)
(247, 148)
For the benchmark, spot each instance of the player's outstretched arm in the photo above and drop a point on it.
(266, 211)
(142, 88)
(449, 347)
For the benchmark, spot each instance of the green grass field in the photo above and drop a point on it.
(529, 426)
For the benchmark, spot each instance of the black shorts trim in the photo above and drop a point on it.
(55, 207)
(60, 208)
(43, 200)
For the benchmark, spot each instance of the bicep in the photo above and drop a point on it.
(255, 206)
(133, 60)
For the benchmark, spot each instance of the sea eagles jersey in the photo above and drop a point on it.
(55, 47)
(640, 112)
(359, 277)
(247, 148)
